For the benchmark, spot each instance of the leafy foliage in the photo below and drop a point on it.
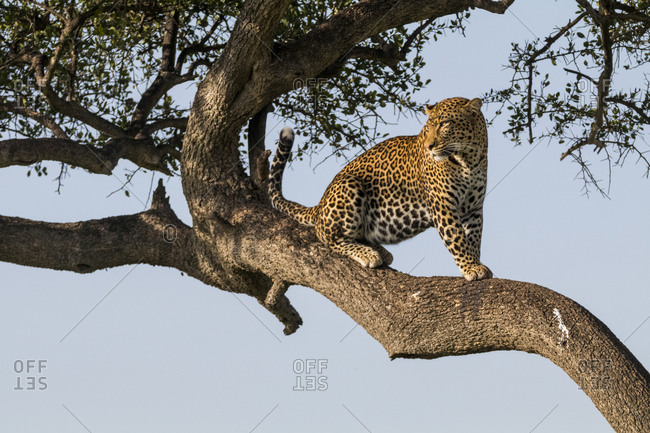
(103, 62)
(571, 87)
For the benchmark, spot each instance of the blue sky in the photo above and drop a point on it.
(163, 352)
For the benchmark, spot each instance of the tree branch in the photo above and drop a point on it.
(637, 16)
(169, 42)
(199, 47)
(389, 55)
(48, 9)
(604, 81)
(48, 122)
(160, 85)
(497, 7)
(178, 123)
(69, 108)
(100, 160)
(72, 25)
(155, 237)
(417, 317)
(166, 78)
(552, 39)
(326, 45)
(413, 36)
(643, 114)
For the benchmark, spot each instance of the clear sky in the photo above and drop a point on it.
(138, 348)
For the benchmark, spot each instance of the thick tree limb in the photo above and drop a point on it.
(388, 55)
(100, 160)
(155, 237)
(169, 42)
(416, 317)
(321, 47)
(497, 7)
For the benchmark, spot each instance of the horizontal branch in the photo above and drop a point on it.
(155, 237)
(343, 31)
(389, 55)
(643, 114)
(178, 123)
(100, 160)
(636, 16)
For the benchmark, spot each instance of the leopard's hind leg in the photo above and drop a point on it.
(366, 256)
(340, 222)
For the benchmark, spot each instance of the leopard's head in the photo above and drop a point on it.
(455, 126)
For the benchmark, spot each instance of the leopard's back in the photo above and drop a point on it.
(393, 198)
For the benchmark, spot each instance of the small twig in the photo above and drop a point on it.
(552, 39)
(581, 75)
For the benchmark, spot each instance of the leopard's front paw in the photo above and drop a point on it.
(476, 272)
(386, 256)
(368, 258)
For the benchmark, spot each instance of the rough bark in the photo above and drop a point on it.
(100, 160)
(155, 237)
(238, 243)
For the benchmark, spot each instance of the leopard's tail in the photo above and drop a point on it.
(300, 213)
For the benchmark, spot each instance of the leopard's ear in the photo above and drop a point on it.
(475, 105)
(428, 108)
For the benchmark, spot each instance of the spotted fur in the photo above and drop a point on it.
(403, 186)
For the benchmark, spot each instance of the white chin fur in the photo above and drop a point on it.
(439, 158)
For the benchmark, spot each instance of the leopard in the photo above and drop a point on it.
(401, 187)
